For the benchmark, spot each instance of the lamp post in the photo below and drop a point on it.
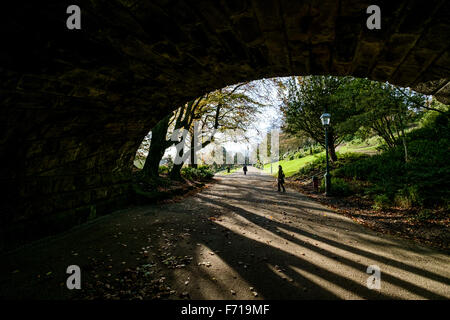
(325, 118)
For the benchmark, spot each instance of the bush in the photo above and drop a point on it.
(423, 181)
(203, 172)
(163, 170)
(316, 149)
(402, 200)
(424, 215)
(319, 164)
(339, 187)
(381, 202)
(372, 168)
(299, 154)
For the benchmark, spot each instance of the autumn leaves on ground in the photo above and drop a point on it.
(238, 238)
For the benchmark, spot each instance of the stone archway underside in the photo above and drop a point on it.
(76, 104)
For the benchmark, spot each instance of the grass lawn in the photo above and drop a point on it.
(369, 146)
(290, 167)
(352, 148)
(225, 172)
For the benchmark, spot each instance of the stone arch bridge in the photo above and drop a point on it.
(75, 104)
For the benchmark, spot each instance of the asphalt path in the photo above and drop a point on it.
(245, 241)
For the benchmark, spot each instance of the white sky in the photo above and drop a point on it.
(268, 119)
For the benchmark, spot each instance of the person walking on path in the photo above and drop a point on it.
(281, 179)
(245, 169)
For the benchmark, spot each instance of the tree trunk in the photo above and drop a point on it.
(331, 146)
(332, 152)
(158, 146)
(175, 173)
(405, 148)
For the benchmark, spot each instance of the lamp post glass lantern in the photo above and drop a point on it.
(325, 118)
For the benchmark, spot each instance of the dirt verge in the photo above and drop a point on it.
(395, 221)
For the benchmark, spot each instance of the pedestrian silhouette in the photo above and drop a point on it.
(281, 179)
(245, 169)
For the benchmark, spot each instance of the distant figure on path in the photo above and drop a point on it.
(281, 179)
(245, 169)
(228, 169)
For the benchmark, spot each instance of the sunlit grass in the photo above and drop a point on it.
(290, 167)
(225, 172)
(369, 146)
(356, 148)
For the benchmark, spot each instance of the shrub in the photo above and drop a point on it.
(202, 172)
(422, 181)
(339, 187)
(424, 215)
(299, 154)
(163, 170)
(381, 202)
(319, 164)
(402, 200)
(372, 168)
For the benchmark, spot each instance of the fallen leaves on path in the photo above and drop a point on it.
(394, 221)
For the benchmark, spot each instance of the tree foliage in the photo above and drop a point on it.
(308, 97)
(228, 108)
(362, 105)
(383, 109)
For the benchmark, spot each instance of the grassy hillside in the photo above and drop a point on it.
(369, 146)
(225, 172)
(290, 167)
(421, 181)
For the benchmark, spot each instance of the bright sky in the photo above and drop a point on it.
(269, 118)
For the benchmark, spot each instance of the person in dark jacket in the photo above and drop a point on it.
(245, 169)
(281, 179)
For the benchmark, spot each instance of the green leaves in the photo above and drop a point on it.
(308, 97)
(369, 107)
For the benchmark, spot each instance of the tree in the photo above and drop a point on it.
(228, 108)
(185, 120)
(224, 109)
(158, 146)
(183, 117)
(386, 110)
(306, 98)
(355, 105)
